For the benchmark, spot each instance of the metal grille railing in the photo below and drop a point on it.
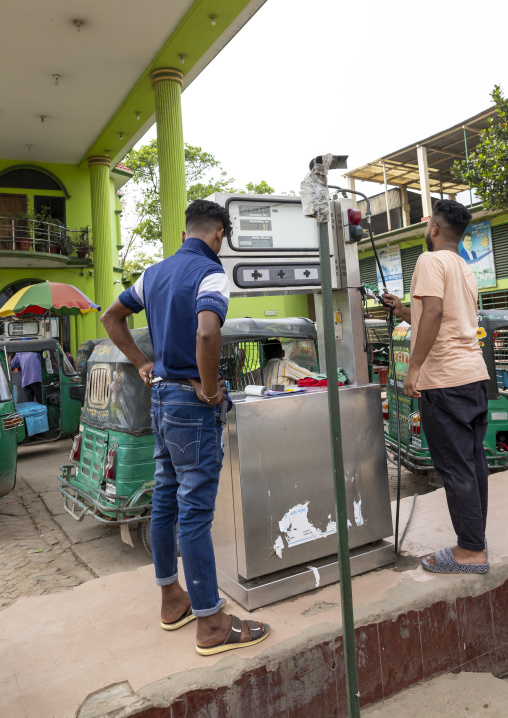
(99, 386)
(501, 349)
(37, 236)
(241, 362)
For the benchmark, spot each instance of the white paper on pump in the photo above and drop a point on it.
(256, 390)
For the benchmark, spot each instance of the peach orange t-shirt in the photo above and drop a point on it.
(456, 357)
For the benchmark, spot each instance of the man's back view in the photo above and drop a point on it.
(186, 299)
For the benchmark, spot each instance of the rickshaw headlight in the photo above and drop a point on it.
(76, 448)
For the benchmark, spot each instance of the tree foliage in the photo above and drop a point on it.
(487, 173)
(204, 175)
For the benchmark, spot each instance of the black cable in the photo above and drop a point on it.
(392, 357)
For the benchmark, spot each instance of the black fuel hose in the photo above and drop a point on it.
(392, 357)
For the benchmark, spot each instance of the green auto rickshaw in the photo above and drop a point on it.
(62, 391)
(493, 338)
(10, 420)
(111, 477)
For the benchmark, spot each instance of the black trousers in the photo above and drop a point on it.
(455, 423)
(33, 392)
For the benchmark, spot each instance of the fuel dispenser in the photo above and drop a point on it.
(274, 530)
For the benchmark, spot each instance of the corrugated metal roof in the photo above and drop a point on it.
(443, 149)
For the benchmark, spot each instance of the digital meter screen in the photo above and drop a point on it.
(255, 241)
(253, 211)
(256, 226)
(271, 225)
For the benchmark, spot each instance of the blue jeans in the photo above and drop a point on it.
(188, 456)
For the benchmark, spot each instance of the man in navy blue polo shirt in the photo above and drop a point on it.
(185, 298)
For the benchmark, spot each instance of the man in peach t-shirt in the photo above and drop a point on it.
(448, 375)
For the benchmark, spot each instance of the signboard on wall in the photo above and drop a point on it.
(391, 263)
(476, 248)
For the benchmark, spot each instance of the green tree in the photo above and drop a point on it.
(204, 175)
(487, 172)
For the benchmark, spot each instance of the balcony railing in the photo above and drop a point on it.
(34, 235)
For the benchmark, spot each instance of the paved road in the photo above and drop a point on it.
(43, 549)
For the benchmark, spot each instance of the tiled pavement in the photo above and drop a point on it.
(36, 558)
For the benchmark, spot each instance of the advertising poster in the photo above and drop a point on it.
(392, 269)
(476, 248)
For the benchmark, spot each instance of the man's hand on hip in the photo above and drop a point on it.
(219, 392)
(146, 373)
(410, 382)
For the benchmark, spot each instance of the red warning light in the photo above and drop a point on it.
(354, 216)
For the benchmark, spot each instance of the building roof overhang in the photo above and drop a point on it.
(103, 68)
(443, 149)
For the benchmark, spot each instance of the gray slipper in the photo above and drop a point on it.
(445, 562)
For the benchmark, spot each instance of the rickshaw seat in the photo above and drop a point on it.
(35, 416)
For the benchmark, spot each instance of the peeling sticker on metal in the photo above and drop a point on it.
(316, 574)
(297, 528)
(358, 512)
(278, 546)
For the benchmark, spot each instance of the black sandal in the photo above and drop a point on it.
(257, 634)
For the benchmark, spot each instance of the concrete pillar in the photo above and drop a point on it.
(101, 232)
(352, 185)
(423, 169)
(388, 218)
(404, 207)
(167, 84)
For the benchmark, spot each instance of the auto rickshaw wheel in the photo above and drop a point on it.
(144, 535)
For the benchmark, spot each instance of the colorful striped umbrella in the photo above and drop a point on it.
(61, 299)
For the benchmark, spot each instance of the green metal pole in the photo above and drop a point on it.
(348, 621)
(467, 165)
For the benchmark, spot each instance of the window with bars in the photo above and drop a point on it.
(500, 245)
(99, 386)
(409, 257)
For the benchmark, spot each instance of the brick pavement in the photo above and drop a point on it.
(36, 556)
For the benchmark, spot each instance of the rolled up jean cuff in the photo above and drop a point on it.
(166, 581)
(208, 611)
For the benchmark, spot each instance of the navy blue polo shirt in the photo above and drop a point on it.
(172, 293)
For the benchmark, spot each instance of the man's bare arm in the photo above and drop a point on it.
(428, 329)
(114, 320)
(208, 349)
(399, 310)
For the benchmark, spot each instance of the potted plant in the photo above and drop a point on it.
(81, 243)
(21, 232)
(62, 240)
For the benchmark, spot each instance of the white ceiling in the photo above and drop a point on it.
(98, 66)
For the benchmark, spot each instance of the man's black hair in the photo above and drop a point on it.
(272, 349)
(202, 214)
(456, 216)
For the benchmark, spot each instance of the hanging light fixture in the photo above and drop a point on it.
(56, 77)
(43, 117)
(78, 24)
(213, 19)
(138, 114)
(182, 58)
(28, 147)
(120, 134)
(106, 152)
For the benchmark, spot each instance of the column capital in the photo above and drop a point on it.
(99, 160)
(166, 73)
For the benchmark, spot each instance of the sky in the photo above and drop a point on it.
(307, 77)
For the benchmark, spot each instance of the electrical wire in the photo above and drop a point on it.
(407, 524)
(392, 358)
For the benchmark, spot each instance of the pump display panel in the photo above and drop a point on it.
(271, 226)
